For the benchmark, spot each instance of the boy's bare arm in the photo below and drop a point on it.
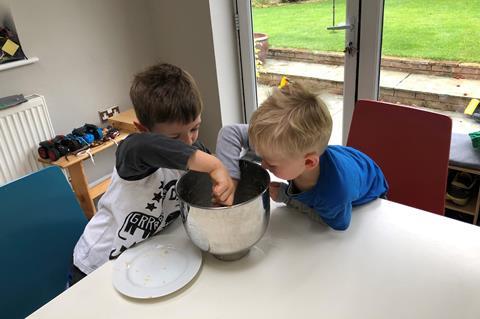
(223, 185)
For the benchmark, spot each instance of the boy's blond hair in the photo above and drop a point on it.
(291, 121)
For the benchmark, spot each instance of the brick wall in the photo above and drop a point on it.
(440, 68)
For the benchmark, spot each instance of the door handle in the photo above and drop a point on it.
(341, 27)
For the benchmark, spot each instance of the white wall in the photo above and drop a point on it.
(185, 35)
(88, 50)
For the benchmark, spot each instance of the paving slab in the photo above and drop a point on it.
(440, 85)
(388, 79)
(318, 71)
(392, 79)
(334, 102)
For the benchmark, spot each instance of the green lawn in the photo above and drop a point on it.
(432, 29)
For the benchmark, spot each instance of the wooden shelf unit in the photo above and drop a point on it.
(74, 165)
(473, 205)
(124, 121)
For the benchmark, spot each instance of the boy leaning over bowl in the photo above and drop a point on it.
(141, 199)
(290, 132)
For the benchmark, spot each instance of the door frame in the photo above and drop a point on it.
(367, 66)
(243, 20)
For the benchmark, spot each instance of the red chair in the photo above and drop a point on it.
(412, 148)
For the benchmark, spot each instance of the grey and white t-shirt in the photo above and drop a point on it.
(140, 201)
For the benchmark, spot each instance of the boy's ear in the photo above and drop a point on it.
(140, 127)
(311, 160)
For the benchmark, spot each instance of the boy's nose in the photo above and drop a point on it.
(188, 139)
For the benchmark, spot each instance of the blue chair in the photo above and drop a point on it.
(41, 223)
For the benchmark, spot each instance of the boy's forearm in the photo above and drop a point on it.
(223, 188)
(203, 162)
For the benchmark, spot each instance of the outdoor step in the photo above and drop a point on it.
(443, 93)
(452, 69)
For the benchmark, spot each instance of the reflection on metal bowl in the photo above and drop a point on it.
(226, 232)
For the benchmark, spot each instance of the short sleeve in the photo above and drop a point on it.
(337, 217)
(141, 154)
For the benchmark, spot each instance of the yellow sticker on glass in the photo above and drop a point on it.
(10, 47)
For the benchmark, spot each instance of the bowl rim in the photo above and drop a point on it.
(220, 207)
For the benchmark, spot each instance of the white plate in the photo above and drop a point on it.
(157, 267)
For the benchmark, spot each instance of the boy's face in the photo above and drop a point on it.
(287, 168)
(187, 133)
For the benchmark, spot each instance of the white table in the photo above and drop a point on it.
(393, 262)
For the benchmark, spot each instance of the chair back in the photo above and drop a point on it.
(41, 223)
(410, 145)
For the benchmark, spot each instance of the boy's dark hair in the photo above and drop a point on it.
(165, 93)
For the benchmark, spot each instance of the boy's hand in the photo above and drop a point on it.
(275, 188)
(223, 187)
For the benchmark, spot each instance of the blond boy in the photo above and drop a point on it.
(290, 132)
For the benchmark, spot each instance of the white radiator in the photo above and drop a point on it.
(22, 127)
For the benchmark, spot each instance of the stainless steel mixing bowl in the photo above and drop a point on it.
(226, 232)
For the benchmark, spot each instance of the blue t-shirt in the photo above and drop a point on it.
(347, 178)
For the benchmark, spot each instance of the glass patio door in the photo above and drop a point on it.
(431, 60)
(316, 42)
(430, 57)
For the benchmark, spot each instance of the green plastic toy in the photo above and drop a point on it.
(475, 137)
